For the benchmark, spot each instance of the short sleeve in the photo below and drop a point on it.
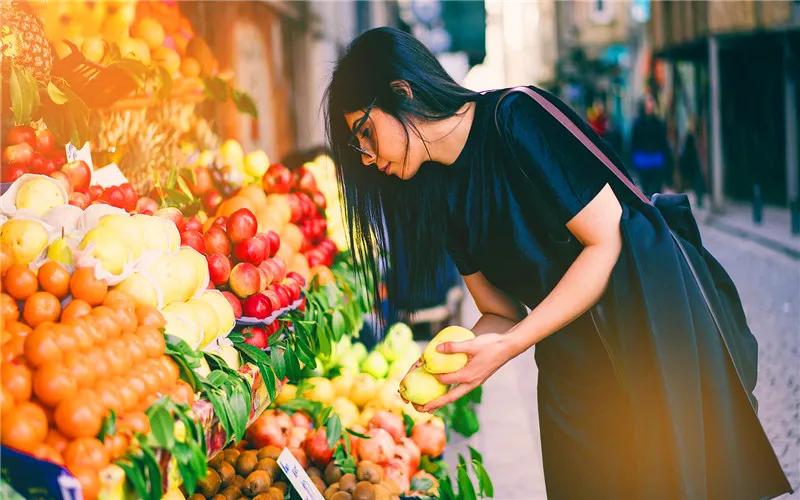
(564, 170)
(458, 249)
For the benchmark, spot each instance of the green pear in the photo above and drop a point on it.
(59, 251)
(375, 364)
(359, 351)
(436, 362)
(420, 387)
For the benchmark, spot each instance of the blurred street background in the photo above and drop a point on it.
(710, 87)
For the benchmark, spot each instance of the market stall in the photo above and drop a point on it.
(180, 317)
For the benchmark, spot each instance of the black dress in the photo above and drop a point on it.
(652, 407)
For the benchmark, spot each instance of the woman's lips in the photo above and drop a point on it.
(385, 168)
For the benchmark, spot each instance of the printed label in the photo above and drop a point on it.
(298, 477)
(85, 154)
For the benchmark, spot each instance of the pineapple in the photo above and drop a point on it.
(23, 40)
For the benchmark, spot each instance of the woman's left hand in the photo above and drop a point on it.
(485, 355)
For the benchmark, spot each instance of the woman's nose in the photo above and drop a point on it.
(368, 159)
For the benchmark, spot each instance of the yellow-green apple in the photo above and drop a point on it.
(244, 280)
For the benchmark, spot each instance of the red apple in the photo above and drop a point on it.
(263, 237)
(304, 180)
(81, 176)
(130, 196)
(277, 179)
(315, 258)
(37, 164)
(296, 206)
(211, 200)
(193, 224)
(267, 270)
(283, 296)
(217, 241)
(18, 154)
(242, 224)
(309, 209)
(273, 328)
(319, 199)
(45, 141)
(21, 134)
(235, 304)
(172, 214)
(195, 240)
(293, 288)
(274, 242)
(63, 179)
(145, 204)
(255, 336)
(296, 277)
(257, 306)
(244, 280)
(94, 192)
(251, 250)
(273, 298)
(10, 173)
(79, 200)
(282, 268)
(203, 182)
(221, 222)
(219, 268)
(114, 197)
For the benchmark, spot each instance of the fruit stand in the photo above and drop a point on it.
(180, 318)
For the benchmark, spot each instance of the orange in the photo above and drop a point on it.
(151, 340)
(5, 260)
(16, 380)
(135, 348)
(80, 369)
(24, 428)
(150, 316)
(86, 452)
(56, 440)
(6, 401)
(18, 329)
(182, 393)
(109, 396)
(65, 338)
(83, 285)
(127, 320)
(116, 445)
(41, 346)
(78, 416)
(135, 421)
(54, 278)
(20, 282)
(75, 309)
(119, 359)
(128, 397)
(95, 357)
(80, 331)
(137, 385)
(108, 321)
(89, 480)
(190, 68)
(116, 299)
(146, 402)
(172, 370)
(41, 307)
(227, 207)
(13, 349)
(44, 451)
(96, 331)
(8, 308)
(151, 381)
(53, 383)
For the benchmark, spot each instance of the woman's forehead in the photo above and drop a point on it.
(353, 118)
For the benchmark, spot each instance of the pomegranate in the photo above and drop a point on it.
(408, 451)
(389, 422)
(300, 419)
(297, 435)
(266, 431)
(396, 470)
(301, 456)
(354, 440)
(316, 447)
(378, 448)
(430, 438)
(283, 419)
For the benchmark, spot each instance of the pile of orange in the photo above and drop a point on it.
(63, 369)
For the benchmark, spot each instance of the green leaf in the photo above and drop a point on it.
(20, 101)
(153, 472)
(348, 445)
(220, 409)
(466, 490)
(292, 366)
(409, 424)
(184, 187)
(55, 94)
(134, 69)
(278, 363)
(163, 427)
(216, 88)
(324, 335)
(484, 481)
(244, 103)
(465, 421)
(333, 430)
(109, 426)
(164, 83)
(323, 416)
(135, 476)
(271, 384)
(172, 177)
(421, 484)
(357, 434)
(240, 413)
(474, 455)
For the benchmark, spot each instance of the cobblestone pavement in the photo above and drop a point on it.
(769, 284)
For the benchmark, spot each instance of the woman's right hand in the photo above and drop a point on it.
(416, 365)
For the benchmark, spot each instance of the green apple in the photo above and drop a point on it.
(376, 365)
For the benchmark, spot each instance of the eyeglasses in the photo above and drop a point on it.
(354, 143)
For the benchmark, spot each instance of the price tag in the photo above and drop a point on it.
(298, 477)
(84, 154)
(108, 176)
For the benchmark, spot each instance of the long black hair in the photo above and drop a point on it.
(397, 228)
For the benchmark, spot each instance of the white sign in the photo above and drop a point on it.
(298, 477)
(108, 176)
(74, 154)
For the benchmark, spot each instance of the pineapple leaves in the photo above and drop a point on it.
(24, 95)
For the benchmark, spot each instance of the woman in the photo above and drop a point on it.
(638, 398)
(650, 148)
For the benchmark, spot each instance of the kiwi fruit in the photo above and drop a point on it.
(332, 473)
(210, 485)
(334, 488)
(230, 456)
(342, 495)
(257, 482)
(370, 472)
(246, 463)
(226, 473)
(263, 496)
(269, 465)
(276, 493)
(217, 497)
(216, 460)
(284, 487)
(272, 452)
(314, 472)
(237, 481)
(347, 483)
(197, 496)
(319, 483)
(382, 492)
(364, 491)
(232, 493)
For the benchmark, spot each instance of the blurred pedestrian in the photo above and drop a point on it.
(689, 164)
(640, 395)
(598, 118)
(650, 148)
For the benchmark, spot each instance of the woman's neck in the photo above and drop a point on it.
(447, 138)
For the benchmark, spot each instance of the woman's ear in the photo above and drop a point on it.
(401, 87)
